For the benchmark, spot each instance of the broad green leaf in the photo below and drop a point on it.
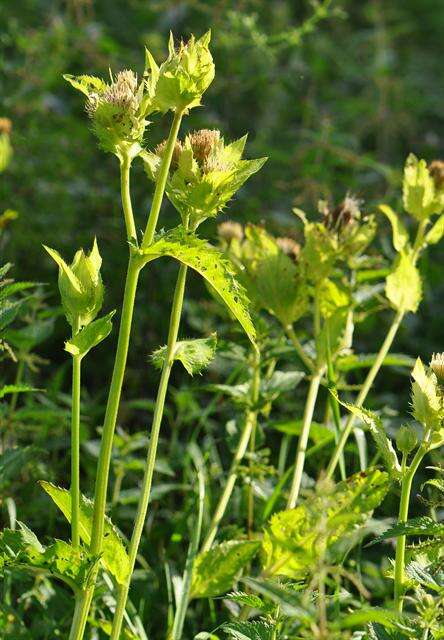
(332, 297)
(418, 571)
(9, 389)
(418, 190)
(114, 556)
(280, 382)
(336, 331)
(400, 233)
(90, 336)
(21, 550)
(257, 630)
(216, 570)
(434, 235)
(86, 84)
(15, 287)
(28, 337)
(286, 595)
(195, 355)
(422, 526)
(426, 401)
(247, 600)
(383, 443)
(318, 432)
(403, 285)
(8, 312)
(294, 538)
(211, 264)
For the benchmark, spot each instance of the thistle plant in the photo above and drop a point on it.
(422, 195)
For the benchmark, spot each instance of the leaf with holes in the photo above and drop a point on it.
(216, 269)
(114, 556)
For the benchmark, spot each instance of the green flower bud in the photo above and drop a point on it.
(117, 110)
(422, 192)
(204, 175)
(80, 285)
(180, 82)
(437, 366)
(406, 439)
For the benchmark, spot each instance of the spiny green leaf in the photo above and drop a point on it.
(435, 234)
(216, 570)
(383, 443)
(9, 389)
(400, 233)
(90, 336)
(422, 526)
(195, 355)
(403, 285)
(21, 550)
(197, 254)
(114, 557)
(257, 630)
(425, 399)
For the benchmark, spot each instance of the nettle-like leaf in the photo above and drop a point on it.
(216, 570)
(195, 355)
(248, 600)
(9, 389)
(197, 254)
(336, 332)
(436, 232)
(419, 194)
(294, 538)
(90, 336)
(376, 428)
(425, 400)
(403, 285)
(114, 557)
(332, 297)
(257, 630)
(422, 526)
(400, 233)
(21, 550)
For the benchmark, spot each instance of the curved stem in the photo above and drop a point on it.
(125, 167)
(161, 181)
(249, 426)
(145, 491)
(299, 348)
(406, 489)
(303, 438)
(371, 375)
(75, 451)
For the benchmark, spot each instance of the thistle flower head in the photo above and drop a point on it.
(344, 214)
(117, 110)
(436, 170)
(289, 246)
(5, 126)
(437, 366)
(204, 175)
(230, 230)
(160, 150)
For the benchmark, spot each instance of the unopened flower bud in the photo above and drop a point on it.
(160, 150)
(80, 285)
(203, 142)
(230, 231)
(406, 439)
(437, 366)
(184, 76)
(436, 170)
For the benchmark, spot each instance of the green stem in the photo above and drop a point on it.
(79, 623)
(303, 438)
(249, 426)
(125, 167)
(80, 617)
(406, 489)
(75, 451)
(152, 449)
(371, 375)
(299, 348)
(161, 181)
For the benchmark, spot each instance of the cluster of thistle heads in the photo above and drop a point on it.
(119, 108)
